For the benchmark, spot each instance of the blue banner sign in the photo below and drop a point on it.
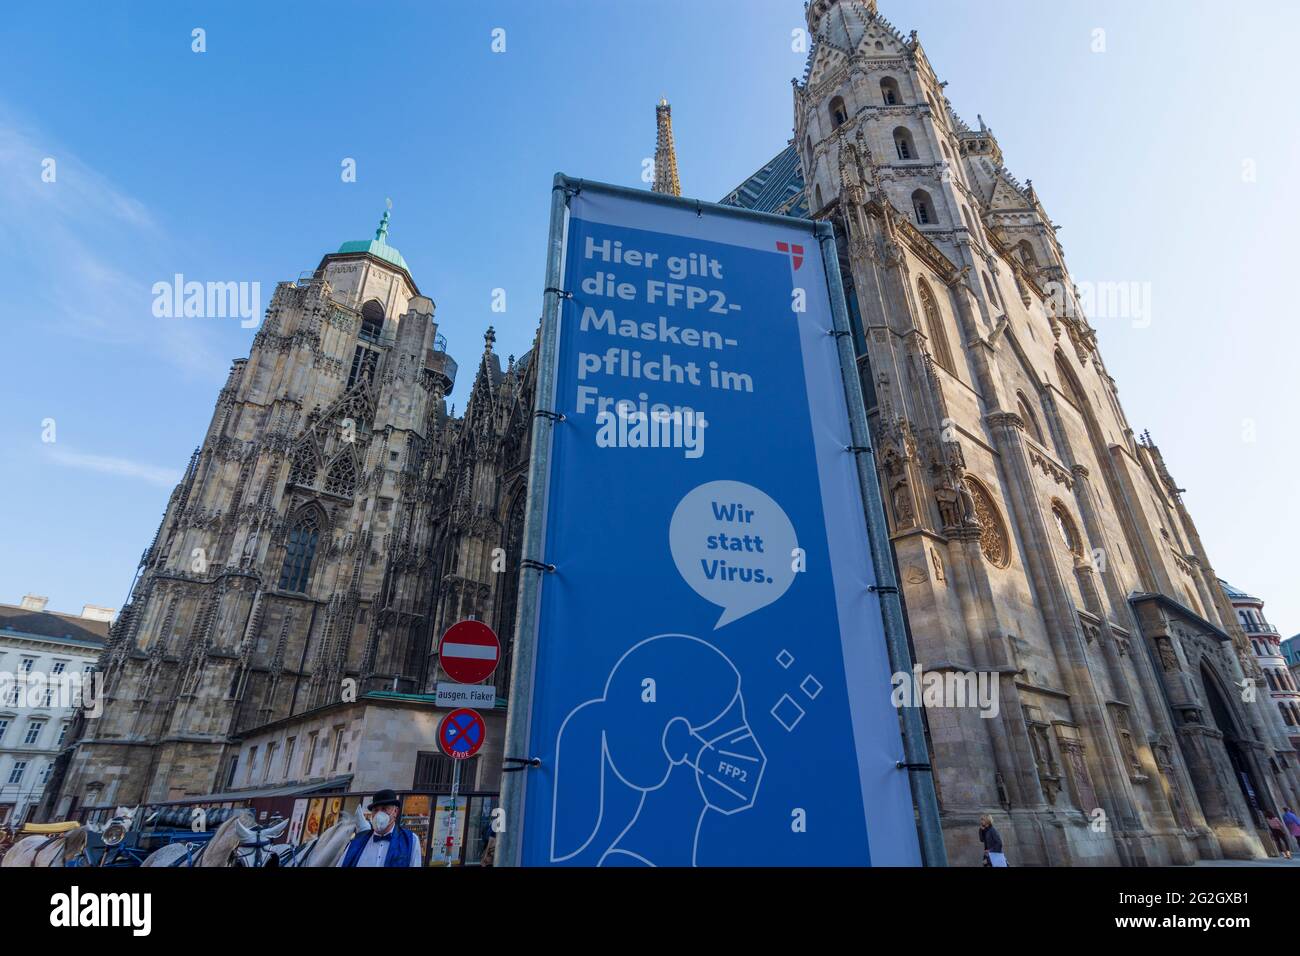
(711, 685)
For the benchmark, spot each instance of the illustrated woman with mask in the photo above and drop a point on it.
(638, 770)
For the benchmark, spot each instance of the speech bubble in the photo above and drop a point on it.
(733, 545)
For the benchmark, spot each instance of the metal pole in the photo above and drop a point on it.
(519, 705)
(915, 752)
(451, 820)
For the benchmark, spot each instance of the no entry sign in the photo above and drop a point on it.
(469, 652)
(461, 733)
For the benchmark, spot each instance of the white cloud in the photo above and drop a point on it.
(89, 254)
(108, 465)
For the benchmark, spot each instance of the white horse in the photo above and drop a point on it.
(217, 852)
(60, 849)
(328, 849)
(42, 849)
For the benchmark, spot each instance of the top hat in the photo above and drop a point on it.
(384, 798)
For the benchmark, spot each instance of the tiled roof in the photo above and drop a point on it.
(776, 188)
(52, 625)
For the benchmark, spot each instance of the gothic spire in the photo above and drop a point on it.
(666, 180)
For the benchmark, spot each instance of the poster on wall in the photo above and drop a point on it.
(296, 822)
(312, 828)
(711, 680)
(415, 817)
(448, 831)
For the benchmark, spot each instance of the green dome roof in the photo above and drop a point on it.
(378, 246)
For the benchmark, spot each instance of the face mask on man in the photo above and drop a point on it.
(380, 821)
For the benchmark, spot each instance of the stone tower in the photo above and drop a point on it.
(666, 180)
(1036, 536)
(294, 562)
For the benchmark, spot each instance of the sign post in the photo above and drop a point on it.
(705, 680)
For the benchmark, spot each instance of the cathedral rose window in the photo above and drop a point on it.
(993, 533)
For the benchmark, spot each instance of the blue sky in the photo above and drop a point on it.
(225, 166)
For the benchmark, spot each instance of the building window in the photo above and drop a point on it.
(4, 725)
(342, 476)
(993, 293)
(364, 361)
(16, 774)
(994, 542)
(338, 749)
(311, 754)
(301, 549)
(63, 734)
(923, 208)
(889, 91)
(27, 664)
(904, 143)
(372, 322)
(304, 465)
(252, 765)
(270, 761)
(14, 693)
(33, 732)
(1027, 256)
(288, 756)
(839, 115)
(59, 667)
(433, 771)
(934, 328)
(1031, 420)
(45, 774)
(1065, 526)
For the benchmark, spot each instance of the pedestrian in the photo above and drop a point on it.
(992, 840)
(385, 843)
(1279, 834)
(1292, 822)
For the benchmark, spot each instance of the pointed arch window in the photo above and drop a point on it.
(303, 466)
(839, 113)
(923, 207)
(301, 549)
(889, 91)
(992, 291)
(1031, 420)
(904, 143)
(1065, 525)
(342, 476)
(1068, 386)
(934, 329)
(1027, 256)
(372, 322)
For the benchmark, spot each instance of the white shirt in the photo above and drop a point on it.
(373, 854)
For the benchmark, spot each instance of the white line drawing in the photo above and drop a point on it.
(811, 686)
(694, 719)
(787, 712)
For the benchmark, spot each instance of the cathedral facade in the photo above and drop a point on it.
(1035, 533)
(337, 517)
